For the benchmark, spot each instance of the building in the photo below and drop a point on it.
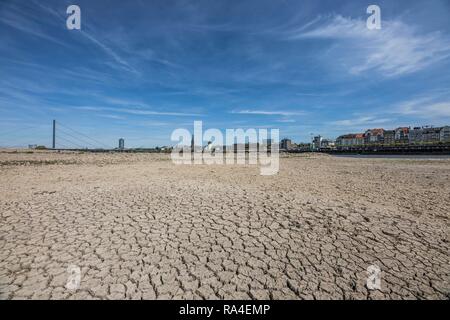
(402, 135)
(121, 144)
(374, 136)
(317, 142)
(426, 134)
(327, 144)
(340, 140)
(389, 137)
(303, 146)
(286, 144)
(431, 134)
(445, 134)
(349, 140)
(359, 139)
(415, 135)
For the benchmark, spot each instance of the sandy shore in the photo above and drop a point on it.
(140, 227)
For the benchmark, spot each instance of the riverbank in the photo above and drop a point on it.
(140, 227)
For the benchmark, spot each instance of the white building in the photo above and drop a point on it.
(350, 140)
(317, 142)
(415, 135)
(445, 134)
(402, 134)
(431, 134)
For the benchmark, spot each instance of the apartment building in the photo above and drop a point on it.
(402, 135)
(415, 135)
(389, 137)
(350, 140)
(374, 136)
(445, 134)
(286, 144)
(431, 135)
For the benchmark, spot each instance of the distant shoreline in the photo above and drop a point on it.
(395, 156)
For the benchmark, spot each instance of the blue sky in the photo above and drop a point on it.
(140, 69)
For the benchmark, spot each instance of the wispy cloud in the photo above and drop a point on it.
(397, 49)
(88, 33)
(269, 113)
(14, 18)
(112, 116)
(424, 108)
(109, 51)
(360, 121)
(149, 112)
(432, 106)
(285, 120)
(136, 111)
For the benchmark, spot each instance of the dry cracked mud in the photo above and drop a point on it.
(139, 227)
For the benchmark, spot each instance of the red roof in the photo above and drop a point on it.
(376, 132)
(404, 129)
(352, 136)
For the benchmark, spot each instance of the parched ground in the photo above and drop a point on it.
(140, 227)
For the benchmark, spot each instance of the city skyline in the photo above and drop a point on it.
(140, 70)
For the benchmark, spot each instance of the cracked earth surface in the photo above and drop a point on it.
(140, 227)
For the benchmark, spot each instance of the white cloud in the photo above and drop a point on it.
(149, 112)
(286, 120)
(112, 116)
(424, 108)
(397, 49)
(359, 121)
(135, 111)
(270, 113)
